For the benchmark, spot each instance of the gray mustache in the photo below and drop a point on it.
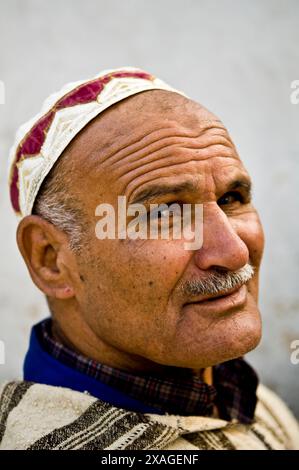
(219, 281)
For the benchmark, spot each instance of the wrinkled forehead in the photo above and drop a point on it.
(151, 137)
(150, 115)
(155, 108)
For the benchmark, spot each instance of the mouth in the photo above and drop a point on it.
(218, 303)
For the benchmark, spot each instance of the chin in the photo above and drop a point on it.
(237, 341)
(236, 349)
(229, 339)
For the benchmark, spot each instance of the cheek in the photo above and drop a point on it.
(250, 230)
(155, 267)
(141, 274)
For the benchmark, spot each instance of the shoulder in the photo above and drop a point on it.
(29, 410)
(275, 415)
(11, 393)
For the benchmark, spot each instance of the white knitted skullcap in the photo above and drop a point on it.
(41, 141)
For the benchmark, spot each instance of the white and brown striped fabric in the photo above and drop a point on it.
(35, 416)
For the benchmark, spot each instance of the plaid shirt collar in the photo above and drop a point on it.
(233, 392)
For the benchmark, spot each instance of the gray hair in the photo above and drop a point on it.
(57, 205)
(219, 281)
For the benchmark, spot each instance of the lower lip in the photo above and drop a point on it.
(225, 304)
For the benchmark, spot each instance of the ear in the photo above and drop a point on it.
(50, 262)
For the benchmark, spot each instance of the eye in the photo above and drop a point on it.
(176, 209)
(230, 198)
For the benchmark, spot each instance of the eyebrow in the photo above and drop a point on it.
(241, 184)
(158, 190)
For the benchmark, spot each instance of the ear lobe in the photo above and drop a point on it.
(49, 281)
(64, 292)
(41, 245)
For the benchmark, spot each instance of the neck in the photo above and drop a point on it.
(90, 345)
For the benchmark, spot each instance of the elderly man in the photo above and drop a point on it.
(144, 346)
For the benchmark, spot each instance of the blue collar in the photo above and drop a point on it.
(41, 367)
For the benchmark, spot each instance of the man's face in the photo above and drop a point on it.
(133, 292)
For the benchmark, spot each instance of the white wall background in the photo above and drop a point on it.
(236, 57)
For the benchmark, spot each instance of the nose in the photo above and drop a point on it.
(222, 247)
